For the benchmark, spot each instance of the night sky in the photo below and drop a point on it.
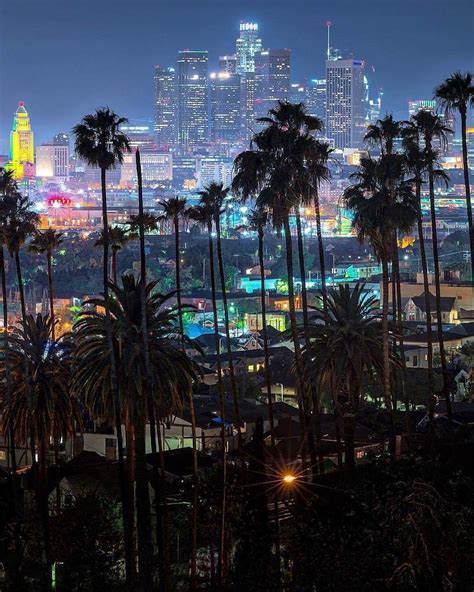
(66, 57)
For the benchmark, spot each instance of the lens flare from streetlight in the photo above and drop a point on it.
(289, 479)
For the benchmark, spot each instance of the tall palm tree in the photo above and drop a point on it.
(213, 196)
(118, 237)
(377, 217)
(345, 348)
(258, 220)
(42, 407)
(47, 242)
(417, 166)
(456, 94)
(20, 223)
(99, 141)
(203, 215)
(175, 210)
(172, 376)
(429, 127)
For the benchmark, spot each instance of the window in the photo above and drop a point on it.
(110, 442)
(3, 455)
(415, 360)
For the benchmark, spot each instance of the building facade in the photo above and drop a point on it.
(272, 79)
(22, 147)
(165, 106)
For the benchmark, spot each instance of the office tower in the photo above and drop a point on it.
(140, 134)
(418, 105)
(272, 79)
(345, 102)
(22, 149)
(315, 98)
(192, 98)
(431, 105)
(228, 63)
(61, 139)
(225, 106)
(52, 160)
(165, 106)
(297, 93)
(157, 166)
(247, 45)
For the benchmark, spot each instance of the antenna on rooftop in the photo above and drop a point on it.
(328, 25)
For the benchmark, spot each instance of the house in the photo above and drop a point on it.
(357, 271)
(415, 308)
(247, 361)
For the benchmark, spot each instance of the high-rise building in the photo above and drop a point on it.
(247, 46)
(52, 161)
(192, 98)
(156, 167)
(272, 79)
(315, 98)
(228, 63)
(431, 105)
(140, 134)
(345, 102)
(297, 93)
(165, 106)
(225, 106)
(22, 148)
(419, 105)
(61, 139)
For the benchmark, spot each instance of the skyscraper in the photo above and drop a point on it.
(22, 149)
(272, 79)
(225, 106)
(345, 102)
(52, 161)
(192, 97)
(247, 45)
(165, 106)
(424, 104)
(315, 98)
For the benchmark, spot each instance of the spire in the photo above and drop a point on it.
(328, 25)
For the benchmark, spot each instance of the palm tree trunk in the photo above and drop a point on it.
(233, 384)
(7, 364)
(114, 265)
(130, 465)
(426, 288)
(302, 405)
(143, 504)
(177, 259)
(21, 288)
(263, 304)
(314, 423)
(128, 536)
(322, 264)
(160, 497)
(51, 296)
(349, 450)
(467, 186)
(398, 294)
(439, 318)
(386, 352)
(221, 568)
(43, 511)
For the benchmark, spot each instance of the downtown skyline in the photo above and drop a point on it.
(124, 80)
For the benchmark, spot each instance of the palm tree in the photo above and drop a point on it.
(117, 238)
(41, 408)
(47, 242)
(345, 348)
(258, 220)
(101, 144)
(20, 222)
(383, 134)
(203, 215)
(382, 203)
(417, 166)
(172, 375)
(456, 94)
(429, 127)
(213, 196)
(174, 210)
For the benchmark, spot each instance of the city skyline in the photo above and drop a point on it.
(40, 78)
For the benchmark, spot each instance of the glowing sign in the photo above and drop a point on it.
(59, 201)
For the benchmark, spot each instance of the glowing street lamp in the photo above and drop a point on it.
(289, 479)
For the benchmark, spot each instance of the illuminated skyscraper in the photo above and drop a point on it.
(419, 105)
(345, 102)
(272, 79)
(315, 98)
(192, 97)
(165, 106)
(22, 149)
(247, 46)
(225, 106)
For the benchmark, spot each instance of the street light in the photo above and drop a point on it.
(289, 479)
